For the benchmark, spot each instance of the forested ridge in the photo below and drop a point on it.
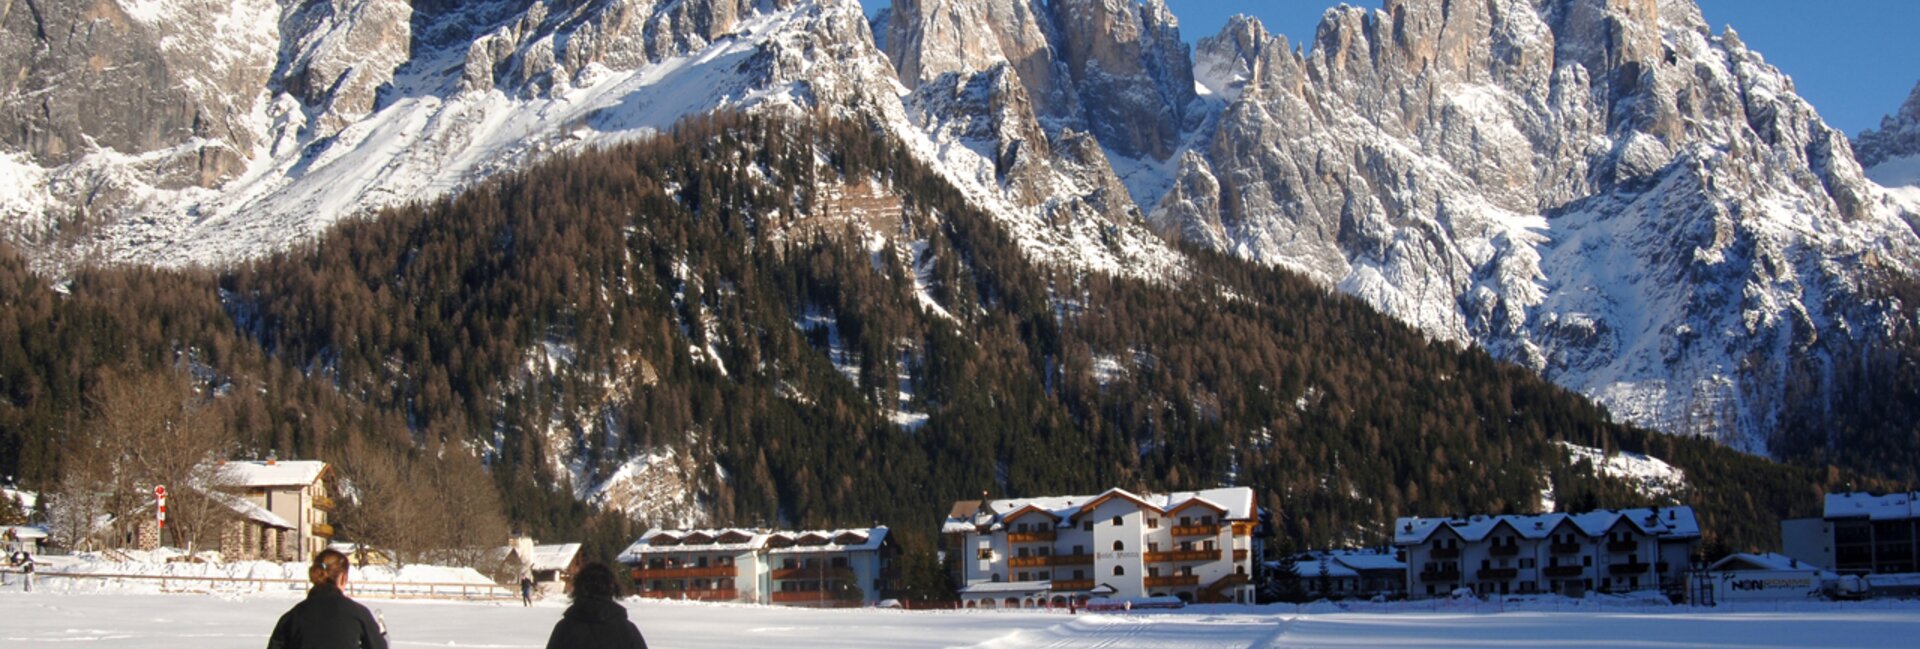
(829, 335)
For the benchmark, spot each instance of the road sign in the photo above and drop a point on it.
(160, 491)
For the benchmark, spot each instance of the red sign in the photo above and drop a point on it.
(160, 492)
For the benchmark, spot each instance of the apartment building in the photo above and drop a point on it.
(1062, 550)
(1859, 533)
(1570, 554)
(827, 568)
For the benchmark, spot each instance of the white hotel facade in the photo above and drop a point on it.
(1056, 551)
(1570, 554)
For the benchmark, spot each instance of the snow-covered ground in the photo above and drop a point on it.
(59, 615)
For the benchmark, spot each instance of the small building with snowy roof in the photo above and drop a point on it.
(1766, 577)
(1859, 533)
(1057, 551)
(550, 567)
(280, 508)
(19, 538)
(816, 568)
(1338, 574)
(1570, 554)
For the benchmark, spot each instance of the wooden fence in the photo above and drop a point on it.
(356, 588)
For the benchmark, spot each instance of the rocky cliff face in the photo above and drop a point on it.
(1892, 152)
(1604, 191)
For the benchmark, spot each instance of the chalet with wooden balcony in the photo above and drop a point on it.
(281, 508)
(1570, 554)
(1055, 551)
(825, 568)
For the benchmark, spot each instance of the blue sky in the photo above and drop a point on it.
(1855, 60)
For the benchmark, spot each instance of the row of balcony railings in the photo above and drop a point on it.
(1048, 536)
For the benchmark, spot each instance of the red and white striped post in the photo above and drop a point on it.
(160, 494)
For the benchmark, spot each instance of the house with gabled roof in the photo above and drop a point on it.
(812, 568)
(1570, 554)
(281, 508)
(1064, 550)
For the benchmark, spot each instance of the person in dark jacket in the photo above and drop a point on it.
(327, 619)
(594, 621)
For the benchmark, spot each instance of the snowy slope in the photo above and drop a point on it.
(151, 621)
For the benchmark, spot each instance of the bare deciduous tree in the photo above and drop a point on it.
(148, 429)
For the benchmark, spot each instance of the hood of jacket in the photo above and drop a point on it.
(596, 611)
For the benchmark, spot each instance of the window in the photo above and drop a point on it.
(1586, 561)
(1021, 552)
(1116, 521)
(1153, 523)
(1209, 546)
(1206, 520)
(1079, 549)
(1046, 550)
(1153, 571)
(1186, 546)
(986, 554)
(1086, 526)
(1119, 546)
(1020, 576)
(1079, 573)
(1186, 521)
(1153, 546)
(1119, 571)
(1045, 575)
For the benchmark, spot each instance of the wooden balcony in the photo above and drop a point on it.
(323, 502)
(1073, 584)
(808, 597)
(1504, 550)
(813, 573)
(1173, 581)
(1029, 562)
(685, 572)
(1563, 571)
(1196, 530)
(1243, 529)
(1241, 555)
(1073, 559)
(1633, 568)
(1452, 574)
(323, 530)
(1184, 555)
(1444, 553)
(1046, 536)
(1564, 548)
(709, 595)
(1622, 546)
(1498, 573)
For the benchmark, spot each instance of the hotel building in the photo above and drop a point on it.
(1056, 551)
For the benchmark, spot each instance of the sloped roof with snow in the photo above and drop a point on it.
(848, 540)
(552, 557)
(249, 510)
(292, 473)
(1662, 522)
(661, 541)
(23, 532)
(1761, 561)
(1237, 502)
(1894, 506)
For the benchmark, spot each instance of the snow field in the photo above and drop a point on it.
(53, 616)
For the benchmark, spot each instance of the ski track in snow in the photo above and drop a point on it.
(62, 614)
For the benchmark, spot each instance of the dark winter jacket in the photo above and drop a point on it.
(595, 623)
(327, 620)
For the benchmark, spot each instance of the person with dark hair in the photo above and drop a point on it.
(594, 620)
(327, 619)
